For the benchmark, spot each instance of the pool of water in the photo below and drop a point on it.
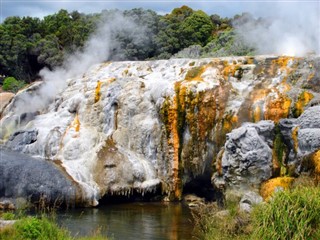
(141, 221)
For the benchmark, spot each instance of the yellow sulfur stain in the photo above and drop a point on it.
(230, 70)
(250, 60)
(282, 64)
(257, 114)
(76, 123)
(270, 186)
(303, 99)
(194, 74)
(98, 88)
(229, 122)
(311, 76)
(316, 162)
(97, 92)
(295, 139)
(277, 108)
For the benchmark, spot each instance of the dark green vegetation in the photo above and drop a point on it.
(28, 44)
(37, 228)
(12, 85)
(290, 214)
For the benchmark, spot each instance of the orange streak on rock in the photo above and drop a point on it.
(316, 163)
(295, 139)
(76, 123)
(277, 108)
(97, 92)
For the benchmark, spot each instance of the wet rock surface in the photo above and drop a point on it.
(128, 127)
(35, 180)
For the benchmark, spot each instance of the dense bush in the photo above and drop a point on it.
(32, 228)
(39, 228)
(11, 84)
(28, 44)
(292, 214)
(214, 223)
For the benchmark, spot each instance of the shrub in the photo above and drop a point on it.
(8, 216)
(40, 228)
(33, 228)
(292, 214)
(11, 84)
(213, 223)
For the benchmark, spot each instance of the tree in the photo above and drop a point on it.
(168, 39)
(196, 29)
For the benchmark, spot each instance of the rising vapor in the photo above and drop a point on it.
(290, 28)
(97, 49)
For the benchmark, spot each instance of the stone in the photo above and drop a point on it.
(6, 223)
(302, 136)
(248, 200)
(133, 127)
(7, 205)
(193, 200)
(310, 118)
(36, 180)
(20, 139)
(247, 159)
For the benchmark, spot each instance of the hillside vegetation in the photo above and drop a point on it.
(28, 44)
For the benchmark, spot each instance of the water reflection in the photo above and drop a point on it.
(145, 221)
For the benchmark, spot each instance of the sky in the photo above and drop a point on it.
(225, 8)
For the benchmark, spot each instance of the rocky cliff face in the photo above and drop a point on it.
(126, 127)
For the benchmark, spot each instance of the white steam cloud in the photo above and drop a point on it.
(290, 29)
(96, 50)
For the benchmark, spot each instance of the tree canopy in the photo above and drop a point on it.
(28, 44)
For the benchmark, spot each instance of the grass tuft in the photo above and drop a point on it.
(291, 214)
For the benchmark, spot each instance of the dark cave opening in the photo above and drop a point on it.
(133, 196)
(201, 186)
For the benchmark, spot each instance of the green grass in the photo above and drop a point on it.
(293, 214)
(214, 223)
(38, 228)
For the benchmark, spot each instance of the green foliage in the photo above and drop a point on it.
(213, 223)
(8, 216)
(226, 43)
(195, 29)
(28, 44)
(11, 84)
(32, 228)
(39, 228)
(182, 28)
(292, 214)
(280, 149)
(193, 73)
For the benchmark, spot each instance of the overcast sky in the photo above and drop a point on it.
(225, 8)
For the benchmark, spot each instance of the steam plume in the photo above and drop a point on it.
(290, 29)
(96, 50)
